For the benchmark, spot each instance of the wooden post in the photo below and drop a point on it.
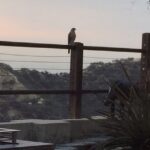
(76, 65)
(145, 63)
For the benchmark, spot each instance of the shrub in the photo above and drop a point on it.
(129, 129)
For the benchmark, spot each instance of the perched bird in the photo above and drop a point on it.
(71, 37)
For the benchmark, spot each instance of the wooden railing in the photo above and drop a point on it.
(76, 65)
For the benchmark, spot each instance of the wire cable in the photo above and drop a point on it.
(32, 61)
(100, 57)
(36, 61)
(39, 68)
(108, 58)
(24, 55)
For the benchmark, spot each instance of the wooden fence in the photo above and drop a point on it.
(76, 65)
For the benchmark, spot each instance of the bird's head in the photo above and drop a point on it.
(73, 29)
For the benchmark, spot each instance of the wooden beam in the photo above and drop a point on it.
(60, 46)
(145, 62)
(26, 92)
(112, 49)
(34, 45)
(55, 92)
(76, 65)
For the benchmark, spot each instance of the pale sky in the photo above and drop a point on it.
(118, 23)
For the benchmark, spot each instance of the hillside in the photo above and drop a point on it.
(52, 106)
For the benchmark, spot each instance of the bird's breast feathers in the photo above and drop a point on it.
(71, 37)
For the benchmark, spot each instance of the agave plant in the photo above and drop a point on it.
(130, 128)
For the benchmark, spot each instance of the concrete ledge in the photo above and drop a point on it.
(27, 145)
(55, 131)
(84, 127)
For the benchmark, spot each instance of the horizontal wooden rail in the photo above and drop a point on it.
(94, 91)
(24, 92)
(114, 49)
(60, 46)
(34, 45)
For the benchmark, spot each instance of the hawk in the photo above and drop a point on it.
(71, 37)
